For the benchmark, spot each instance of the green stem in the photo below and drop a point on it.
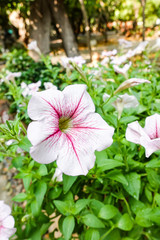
(107, 233)
(127, 205)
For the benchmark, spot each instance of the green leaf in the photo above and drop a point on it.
(42, 171)
(96, 206)
(107, 164)
(55, 193)
(17, 162)
(128, 119)
(62, 207)
(108, 212)
(25, 144)
(143, 217)
(155, 163)
(117, 176)
(92, 234)
(157, 199)
(20, 197)
(68, 182)
(92, 221)
(134, 184)
(26, 181)
(36, 235)
(80, 204)
(35, 208)
(68, 227)
(125, 223)
(40, 192)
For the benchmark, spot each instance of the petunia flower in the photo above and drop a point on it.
(124, 43)
(12, 75)
(67, 129)
(109, 53)
(79, 60)
(148, 137)
(30, 88)
(6, 222)
(122, 70)
(141, 47)
(119, 60)
(48, 85)
(122, 101)
(131, 83)
(32, 46)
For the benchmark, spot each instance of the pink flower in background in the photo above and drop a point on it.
(148, 137)
(32, 46)
(119, 60)
(12, 75)
(67, 129)
(124, 43)
(141, 47)
(130, 83)
(30, 88)
(6, 222)
(79, 60)
(109, 53)
(48, 85)
(122, 70)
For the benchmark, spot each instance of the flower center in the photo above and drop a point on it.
(64, 123)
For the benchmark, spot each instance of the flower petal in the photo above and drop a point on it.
(134, 132)
(81, 141)
(8, 222)
(152, 126)
(150, 146)
(5, 210)
(44, 104)
(46, 151)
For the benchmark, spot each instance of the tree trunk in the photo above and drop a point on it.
(143, 3)
(40, 23)
(62, 23)
(87, 28)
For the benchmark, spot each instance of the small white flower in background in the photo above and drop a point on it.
(119, 60)
(30, 88)
(131, 83)
(79, 60)
(131, 53)
(32, 46)
(125, 101)
(141, 47)
(148, 137)
(123, 70)
(6, 222)
(12, 75)
(105, 61)
(58, 175)
(9, 142)
(67, 129)
(122, 101)
(48, 85)
(124, 43)
(156, 46)
(109, 53)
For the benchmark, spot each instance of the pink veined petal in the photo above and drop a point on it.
(152, 126)
(150, 145)
(77, 101)
(45, 103)
(5, 210)
(39, 130)
(81, 141)
(134, 132)
(47, 151)
(6, 233)
(8, 222)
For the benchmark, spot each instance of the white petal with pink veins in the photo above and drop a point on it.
(152, 126)
(44, 104)
(8, 222)
(134, 132)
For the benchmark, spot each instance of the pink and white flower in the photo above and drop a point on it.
(131, 83)
(79, 60)
(109, 53)
(124, 43)
(148, 137)
(6, 222)
(12, 75)
(119, 60)
(48, 85)
(123, 70)
(32, 46)
(30, 88)
(67, 129)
